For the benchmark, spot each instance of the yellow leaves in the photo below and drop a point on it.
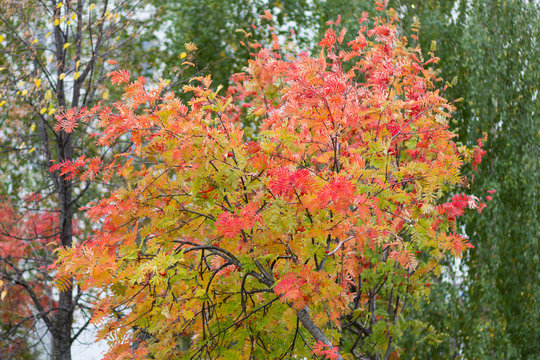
(48, 95)
(183, 55)
(66, 45)
(37, 83)
(24, 92)
(62, 76)
(1, 38)
(105, 95)
(59, 5)
(91, 7)
(4, 292)
(2, 103)
(188, 315)
(190, 46)
(32, 127)
(56, 22)
(76, 75)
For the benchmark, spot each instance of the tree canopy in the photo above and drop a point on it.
(309, 236)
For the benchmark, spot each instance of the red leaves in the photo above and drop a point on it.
(326, 351)
(290, 184)
(478, 153)
(230, 225)
(338, 194)
(459, 203)
(329, 39)
(289, 289)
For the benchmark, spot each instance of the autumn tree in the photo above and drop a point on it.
(306, 239)
(52, 57)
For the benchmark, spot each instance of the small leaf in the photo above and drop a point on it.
(62, 76)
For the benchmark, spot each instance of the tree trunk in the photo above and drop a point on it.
(63, 320)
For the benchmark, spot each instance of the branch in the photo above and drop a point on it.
(318, 335)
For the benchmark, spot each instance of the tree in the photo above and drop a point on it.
(52, 57)
(310, 238)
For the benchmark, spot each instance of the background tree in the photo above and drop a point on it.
(219, 27)
(52, 57)
(489, 48)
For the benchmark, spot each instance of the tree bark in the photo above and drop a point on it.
(63, 320)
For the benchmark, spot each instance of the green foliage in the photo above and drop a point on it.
(490, 47)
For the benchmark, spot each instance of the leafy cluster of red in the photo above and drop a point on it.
(459, 203)
(326, 351)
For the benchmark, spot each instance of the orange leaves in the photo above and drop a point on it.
(456, 243)
(119, 77)
(405, 259)
(267, 15)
